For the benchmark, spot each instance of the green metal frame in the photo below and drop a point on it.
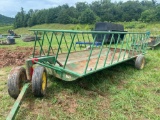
(56, 42)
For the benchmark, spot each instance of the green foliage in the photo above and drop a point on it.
(6, 20)
(4, 29)
(148, 16)
(87, 16)
(130, 25)
(78, 27)
(63, 17)
(84, 13)
(87, 27)
(140, 26)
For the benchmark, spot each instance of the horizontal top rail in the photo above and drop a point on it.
(77, 31)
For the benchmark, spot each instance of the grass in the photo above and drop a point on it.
(117, 93)
(4, 29)
(120, 92)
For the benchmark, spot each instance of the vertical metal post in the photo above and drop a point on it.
(34, 49)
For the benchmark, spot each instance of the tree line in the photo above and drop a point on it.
(84, 13)
(6, 20)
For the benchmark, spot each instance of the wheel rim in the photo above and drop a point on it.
(142, 64)
(44, 81)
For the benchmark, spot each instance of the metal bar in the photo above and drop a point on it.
(73, 45)
(79, 41)
(69, 52)
(114, 51)
(100, 52)
(90, 53)
(66, 42)
(57, 41)
(61, 69)
(126, 46)
(59, 46)
(34, 49)
(108, 51)
(140, 38)
(88, 38)
(41, 45)
(83, 39)
(102, 68)
(50, 42)
(135, 43)
(18, 102)
(78, 31)
(122, 43)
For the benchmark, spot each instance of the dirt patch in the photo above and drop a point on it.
(14, 57)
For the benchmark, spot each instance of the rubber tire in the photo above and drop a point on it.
(37, 81)
(16, 79)
(140, 62)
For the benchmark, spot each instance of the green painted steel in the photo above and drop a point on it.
(90, 55)
(96, 50)
(18, 102)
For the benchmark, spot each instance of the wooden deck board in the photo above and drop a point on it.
(77, 61)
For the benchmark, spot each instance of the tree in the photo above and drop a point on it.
(19, 19)
(131, 11)
(148, 16)
(32, 21)
(87, 16)
(81, 6)
(64, 18)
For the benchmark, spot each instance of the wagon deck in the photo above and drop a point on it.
(78, 60)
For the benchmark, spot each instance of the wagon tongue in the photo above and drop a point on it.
(18, 102)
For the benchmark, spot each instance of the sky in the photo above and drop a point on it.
(11, 7)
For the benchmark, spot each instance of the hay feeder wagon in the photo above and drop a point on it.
(57, 54)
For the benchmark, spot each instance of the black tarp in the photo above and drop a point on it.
(106, 26)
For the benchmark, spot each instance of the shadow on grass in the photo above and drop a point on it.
(99, 82)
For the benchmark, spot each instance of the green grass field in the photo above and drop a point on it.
(117, 93)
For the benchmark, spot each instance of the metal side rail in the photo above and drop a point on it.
(18, 102)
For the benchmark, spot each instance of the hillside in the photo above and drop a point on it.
(6, 20)
(128, 26)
